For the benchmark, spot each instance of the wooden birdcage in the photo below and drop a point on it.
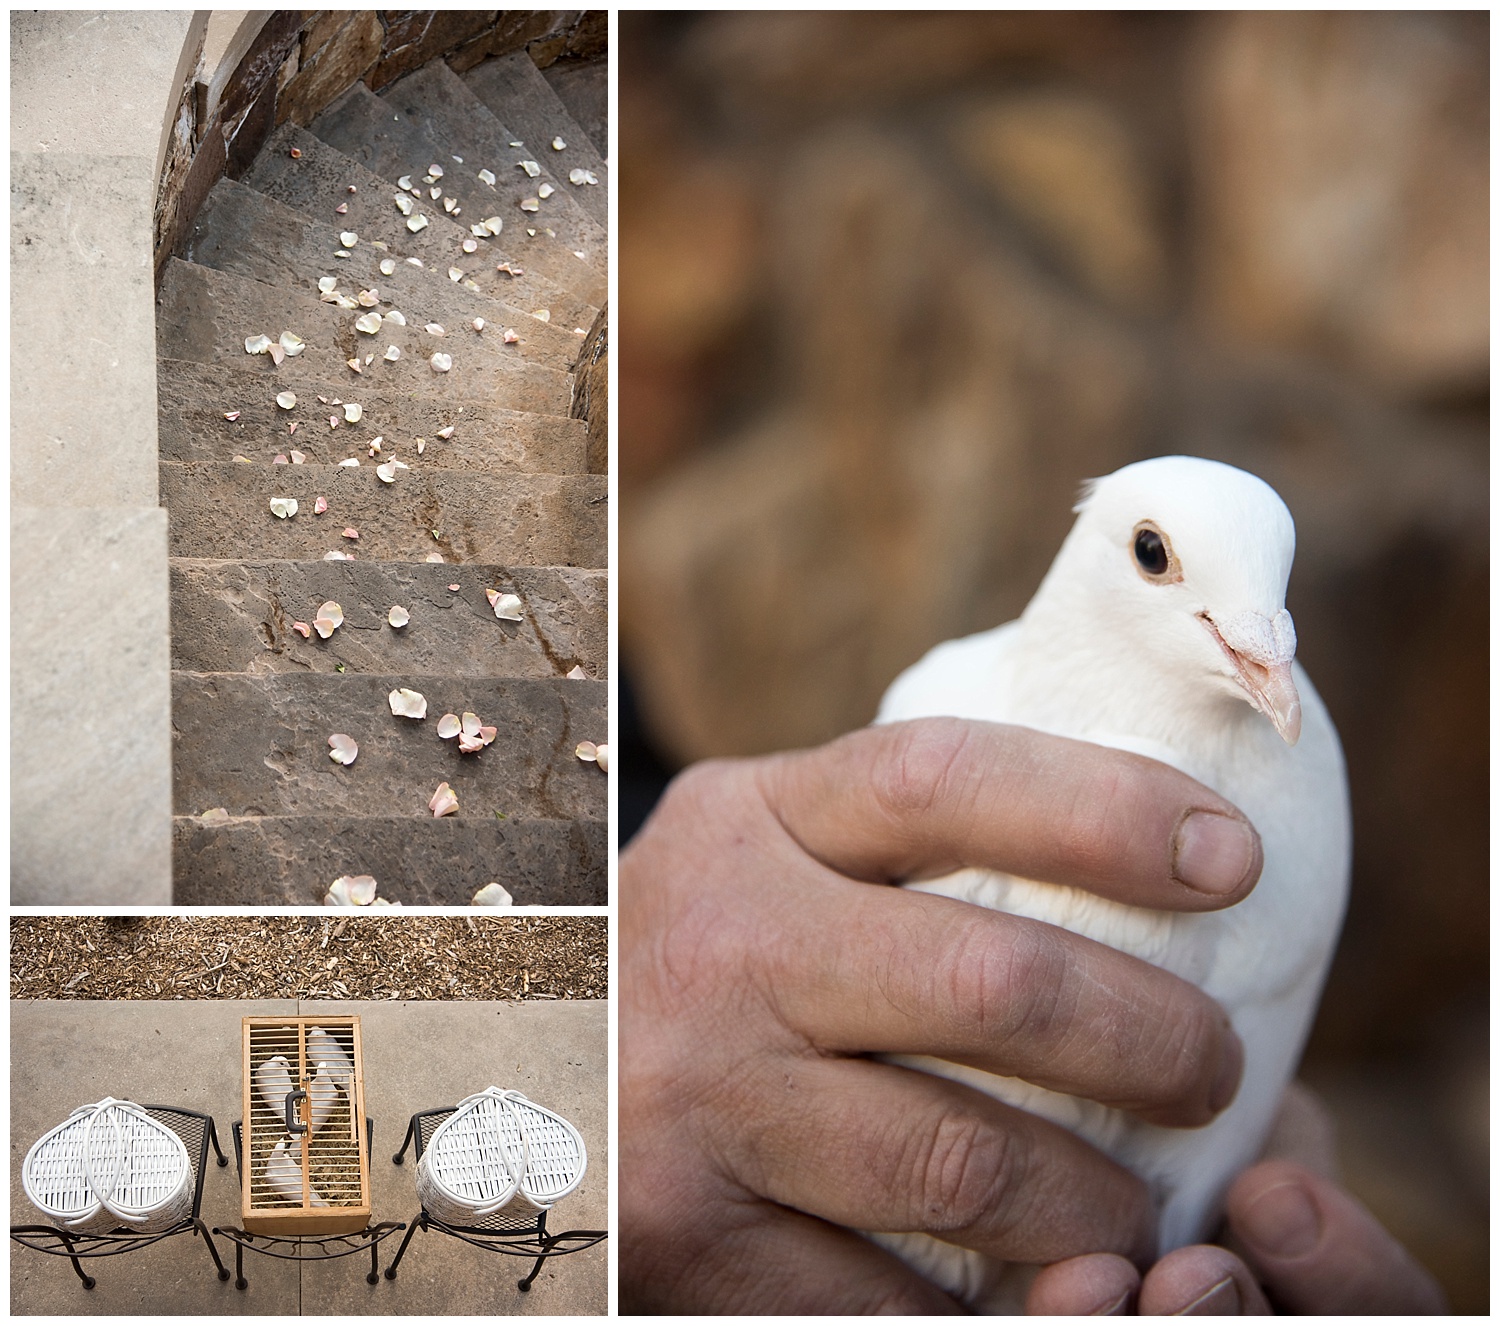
(306, 1163)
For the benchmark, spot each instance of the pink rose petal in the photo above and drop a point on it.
(343, 748)
(302, 629)
(320, 506)
(444, 801)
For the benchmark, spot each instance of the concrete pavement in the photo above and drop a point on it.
(417, 1055)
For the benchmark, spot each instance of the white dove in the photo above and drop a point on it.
(1161, 629)
(326, 1052)
(273, 1082)
(284, 1176)
(322, 1096)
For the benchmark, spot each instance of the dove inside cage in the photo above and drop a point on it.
(306, 1166)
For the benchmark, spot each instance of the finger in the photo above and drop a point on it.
(1098, 1284)
(779, 1262)
(890, 1149)
(1201, 1281)
(1319, 1251)
(1303, 1133)
(912, 973)
(926, 797)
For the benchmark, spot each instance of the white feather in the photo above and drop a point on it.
(1105, 654)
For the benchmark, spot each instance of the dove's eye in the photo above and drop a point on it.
(1152, 553)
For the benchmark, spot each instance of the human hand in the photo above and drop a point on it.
(758, 964)
(1305, 1246)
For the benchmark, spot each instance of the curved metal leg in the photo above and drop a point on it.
(88, 1280)
(374, 1276)
(411, 1131)
(239, 1266)
(213, 1251)
(421, 1220)
(213, 1137)
(525, 1285)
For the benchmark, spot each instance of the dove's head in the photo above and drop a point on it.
(1187, 563)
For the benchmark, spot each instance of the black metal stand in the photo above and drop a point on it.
(512, 1235)
(198, 1134)
(307, 1247)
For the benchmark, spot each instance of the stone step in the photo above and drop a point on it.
(376, 133)
(514, 89)
(220, 510)
(291, 860)
(583, 87)
(204, 316)
(318, 181)
(236, 616)
(259, 746)
(247, 234)
(440, 102)
(192, 400)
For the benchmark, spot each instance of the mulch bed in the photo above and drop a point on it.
(309, 957)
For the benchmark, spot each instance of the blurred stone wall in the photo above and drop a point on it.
(892, 286)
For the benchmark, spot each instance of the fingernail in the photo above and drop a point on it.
(1223, 1300)
(1214, 853)
(1118, 1308)
(1281, 1222)
(1231, 1067)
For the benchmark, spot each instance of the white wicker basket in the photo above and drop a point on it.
(499, 1152)
(107, 1165)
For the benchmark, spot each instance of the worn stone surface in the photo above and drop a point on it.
(236, 616)
(69, 345)
(583, 87)
(285, 860)
(366, 129)
(583, 34)
(414, 38)
(440, 101)
(246, 234)
(514, 89)
(259, 746)
(205, 316)
(326, 72)
(319, 180)
(193, 399)
(90, 761)
(591, 392)
(223, 510)
(555, 1052)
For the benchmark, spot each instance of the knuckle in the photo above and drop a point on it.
(968, 1173)
(915, 765)
(1027, 996)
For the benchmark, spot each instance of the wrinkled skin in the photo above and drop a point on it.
(763, 959)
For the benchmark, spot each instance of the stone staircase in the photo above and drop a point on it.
(503, 504)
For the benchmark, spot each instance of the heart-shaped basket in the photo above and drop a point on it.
(499, 1152)
(110, 1164)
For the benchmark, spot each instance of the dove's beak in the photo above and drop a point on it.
(1267, 684)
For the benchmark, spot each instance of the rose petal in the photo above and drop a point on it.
(492, 895)
(338, 557)
(530, 167)
(454, 588)
(369, 323)
(396, 316)
(387, 472)
(215, 816)
(277, 354)
(509, 336)
(353, 412)
(488, 177)
(446, 432)
(351, 462)
(586, 750)
(449, 726)
(351, 533)
(286, 399)
(348, 239)
(434, 329)
(577, 673)
(416, 223)
(387, 266)
(601, 757)
(282, 507)
(407, 703)
(545, 191)
(330, 617)
(507, 607)
(320, 506)
(470, 724)
(293, 344)
(344, 748)
(487, 734)
(298, 458)
(302, 629)
(441, 363)
(392, 353)
(257, 345)
(433, 557)
(398, 616)
(444, 801)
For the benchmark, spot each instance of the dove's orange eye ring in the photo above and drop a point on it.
(1154, 557)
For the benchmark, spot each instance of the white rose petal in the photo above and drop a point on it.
(441, 363)
(257, 345)
(343, 748)
(387, 472)
(492, 895)
(348, 239)
(330, 617)
(558, 144)
(292, 344)
(416, 223)
(494, 225)
(444, 801)
(398, 616)
(545, 191)
(387, 266)
(327, 283)
(530, 167)
(369, 323)
(282, 507)
(353, 412)
(407, 704)
(434, 329)
(286, 399)
(488, 176)
(392, 353)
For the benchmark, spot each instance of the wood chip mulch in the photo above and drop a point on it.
(302, 957)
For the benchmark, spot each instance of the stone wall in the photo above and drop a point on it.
(290, 64)
(892, 286)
